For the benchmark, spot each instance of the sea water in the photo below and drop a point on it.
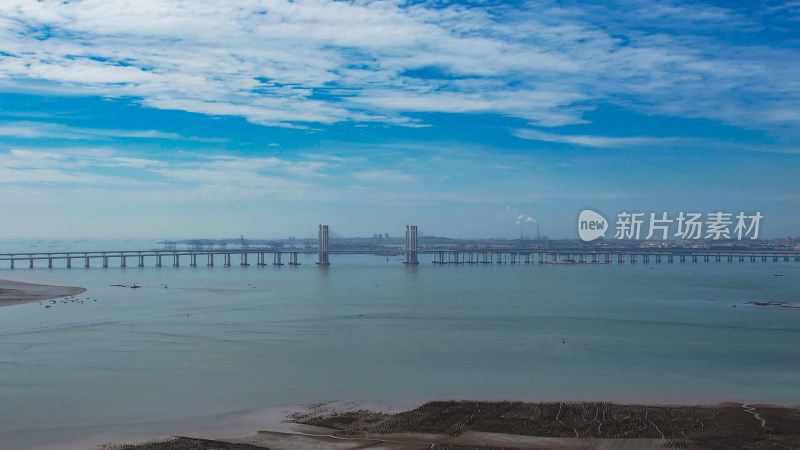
(195, 343)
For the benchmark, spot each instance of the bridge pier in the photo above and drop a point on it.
(31, 263)
(69, 263)
(323, 257)
(141, 261)
(123, 261)
(210, 262)
(176, 262)
(87, 262)
(243, 259)
(158, 260)
(293, 259)
(193, 260)
(658, 259)
(105, 261)
(705, 258)
(410, 254)
(49, 263)
(620, 258)
(276, 259)
(260, 259)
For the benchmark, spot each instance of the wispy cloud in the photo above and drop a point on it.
(385, 176)
(307, 62)
(25, 129)
(593, 141)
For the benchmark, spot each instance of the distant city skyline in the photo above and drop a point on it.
(268, 118)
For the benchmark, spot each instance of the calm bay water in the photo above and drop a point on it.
(224, 340)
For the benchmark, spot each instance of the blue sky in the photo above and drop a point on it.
(159, 119)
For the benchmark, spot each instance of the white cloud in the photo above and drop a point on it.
(304, 62)
(385, 176)
(25, 129)
(592, 141)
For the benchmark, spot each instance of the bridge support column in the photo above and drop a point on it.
(141, 261)
(730, 258)
(69, 263)
(105, 261)
(227, 259)
(410, 254)
(87, 262)
(158, 260)
(718, 258)
(276, 259)
(50, 263)
(323, 258)
(31, 263)
(243, 259)
(210, 262)
(620, 258)
(123, 261)
(293, 259)
(176, 262)
(670, 258)
(741, 258)
(193, 260)
(658, 259)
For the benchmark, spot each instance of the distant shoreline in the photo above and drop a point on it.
(18, 293)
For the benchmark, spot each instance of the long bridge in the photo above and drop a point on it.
(411, 253)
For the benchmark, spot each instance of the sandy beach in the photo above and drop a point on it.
(17, 292)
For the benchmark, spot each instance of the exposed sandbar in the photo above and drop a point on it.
(461, 425)
(17, 292)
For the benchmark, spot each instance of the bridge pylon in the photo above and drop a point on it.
(411, 256)
(322, 246)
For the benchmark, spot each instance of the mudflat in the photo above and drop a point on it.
(729, 425)
(17, 292)
(457, 425)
